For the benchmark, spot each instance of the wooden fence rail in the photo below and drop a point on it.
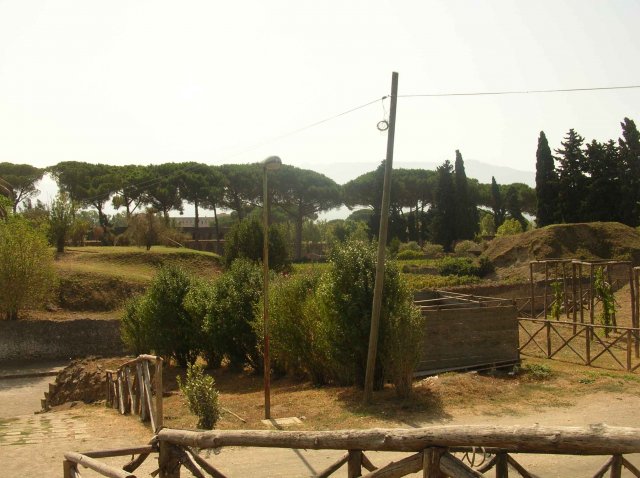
(434, 450)
(131, 390)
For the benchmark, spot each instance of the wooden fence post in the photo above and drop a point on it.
(616, 466)
(546, 282)
(592, 301)
(158, 379)
(168, 461)
(67, 469)
(581, 297)
(629, 344)
(587, 333)
(502, 466)
(354, 464)
(548, 329)
(431, 462)
(533, 296)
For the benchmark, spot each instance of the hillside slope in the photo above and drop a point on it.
(590, 241)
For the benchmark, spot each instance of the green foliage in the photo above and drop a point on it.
(509, 227)
(172, 331)
(134, 325)
(227, 327)
(558, 298)
(427, 281)
(464, 247)
(344, 299)
(403, 344)
(296, 336)
(61, 220)
(603, 291)
(409, 254)
(202, 396)
(27, 276)
(394, 245)
(433, 251)
(245, 240)
(487, 225)
(198, 303)
(409, 246)
(536, 371)
(22, 179)
(464, 266)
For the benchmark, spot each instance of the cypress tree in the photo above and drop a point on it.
(630, 162)
(496, 204)
(514, 207)
(466, 210)
(572, 181)
(603, 193)
(443, 224)
(546, 183)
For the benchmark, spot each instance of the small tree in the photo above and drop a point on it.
(245, 240)
(602, 290)
(61, 219)
(509, 227)
(202, 396)
(27, 275)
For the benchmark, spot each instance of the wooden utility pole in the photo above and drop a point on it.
(382, 243)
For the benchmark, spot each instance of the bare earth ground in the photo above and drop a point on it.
(33, 445)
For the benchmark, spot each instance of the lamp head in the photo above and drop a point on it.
(272, 163)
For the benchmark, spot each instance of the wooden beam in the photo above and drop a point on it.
(95, 465)
(593, 440)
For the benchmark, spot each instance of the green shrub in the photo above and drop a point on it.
(197, 303)
(509, 227)
(227, 327)
(537, 371)
(134, 328)
(294, 336)
(464, 247)
(394, 245)
(433, 251)
(464, 266)
(172, 331)
(409, 255)
(245, 240)
(27, 276)
(403, 344)
(202, 396)
(343, 301)
(409, 246)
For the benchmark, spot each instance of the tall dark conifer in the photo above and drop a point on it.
(497, 204)
(630, 160)
(572, 181)
(603, 192)
(466, 210)
(546, 184)
(514, 207)
(443, 224)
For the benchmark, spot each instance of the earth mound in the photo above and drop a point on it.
(83, 380)
(587, 241)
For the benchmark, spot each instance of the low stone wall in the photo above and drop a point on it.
(50, 339)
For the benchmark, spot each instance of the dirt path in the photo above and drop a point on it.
(33, 445)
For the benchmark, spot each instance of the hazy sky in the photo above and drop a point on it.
(137, 81)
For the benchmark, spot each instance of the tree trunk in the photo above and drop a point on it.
(299, 220)
(197, 224)
(215, 218)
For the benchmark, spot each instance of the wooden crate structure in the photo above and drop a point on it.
(466, 332)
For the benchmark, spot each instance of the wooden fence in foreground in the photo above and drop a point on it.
(433, 449)
(131, 389)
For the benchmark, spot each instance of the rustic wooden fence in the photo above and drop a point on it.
(433, 450)
(131, 389)
(582, 342)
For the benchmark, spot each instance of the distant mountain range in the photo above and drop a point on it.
(344, 172)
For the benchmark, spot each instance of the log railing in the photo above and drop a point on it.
(583, 341)
(434, 450)
(131, 389)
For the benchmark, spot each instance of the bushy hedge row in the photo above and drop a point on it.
(319, 323)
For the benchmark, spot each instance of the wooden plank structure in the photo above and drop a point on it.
(464, 332)
(435, 451)
(130, 389)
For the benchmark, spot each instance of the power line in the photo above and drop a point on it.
(519, 92)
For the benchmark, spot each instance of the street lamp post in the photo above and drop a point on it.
(270, 164)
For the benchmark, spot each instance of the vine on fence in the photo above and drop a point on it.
(603, 292)
(558, 298)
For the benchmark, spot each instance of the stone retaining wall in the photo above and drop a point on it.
(50, 339)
